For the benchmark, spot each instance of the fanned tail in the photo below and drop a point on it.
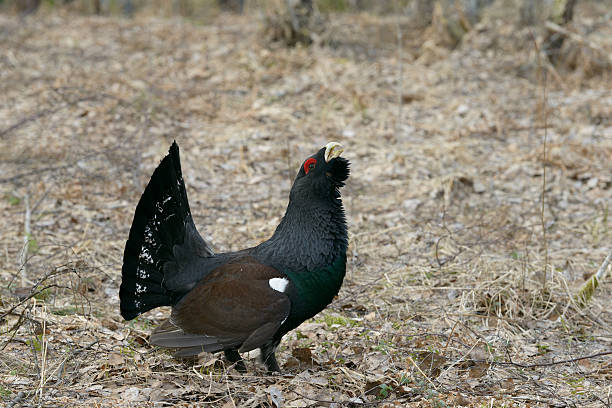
(162, 229)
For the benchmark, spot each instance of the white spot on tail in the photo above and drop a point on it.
(148, 236)
(278, 284)
(141, 273)
(145, 256)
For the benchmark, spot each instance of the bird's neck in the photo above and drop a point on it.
(308, 238)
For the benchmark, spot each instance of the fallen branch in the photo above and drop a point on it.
(577, 38)
(549, 364)
(73, 163)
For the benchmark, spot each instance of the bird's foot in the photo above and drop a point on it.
(234, 357)
(269, 359)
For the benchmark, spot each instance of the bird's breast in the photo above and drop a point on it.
(312, 291)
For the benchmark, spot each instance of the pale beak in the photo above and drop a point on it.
(333, 150)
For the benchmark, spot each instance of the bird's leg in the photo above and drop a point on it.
(268, 357)
(234, 357)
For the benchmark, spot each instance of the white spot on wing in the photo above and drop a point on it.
(278, 284)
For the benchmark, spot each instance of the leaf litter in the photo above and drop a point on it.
(453, 295)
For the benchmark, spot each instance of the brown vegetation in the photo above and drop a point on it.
(478, 204)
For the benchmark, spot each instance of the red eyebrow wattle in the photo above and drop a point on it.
(307, 164)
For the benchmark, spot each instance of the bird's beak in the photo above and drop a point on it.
(333, 150)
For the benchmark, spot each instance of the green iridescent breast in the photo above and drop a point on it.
(314, 291)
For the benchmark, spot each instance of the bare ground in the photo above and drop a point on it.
(459, 289)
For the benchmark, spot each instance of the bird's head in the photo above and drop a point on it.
(322, 174)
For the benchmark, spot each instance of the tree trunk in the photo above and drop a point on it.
(562, 14)
(25, 7)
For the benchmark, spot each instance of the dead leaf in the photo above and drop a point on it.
(291, 362)
(357, 349)
(479, 353)
(478, 370)
(430, 363)
(132, 394)
(508, 384)
(373, 384)
(109, 324)
(303, 354)
(461, 400)
(276, 396)
(115, 360)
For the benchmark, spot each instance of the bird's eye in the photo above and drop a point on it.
(309, 164)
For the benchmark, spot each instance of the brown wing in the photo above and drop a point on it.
(233, 307)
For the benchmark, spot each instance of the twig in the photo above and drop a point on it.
(422, 373)
(30, 296)
(72, 163)
(60, 369)
(45, 112)
(229, 391)
(450, 336)
(295, 23)
(604, 265)
(33, 348)
(326, 401)
(16, 326)
(549, 364)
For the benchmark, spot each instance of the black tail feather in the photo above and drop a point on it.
(159, 225)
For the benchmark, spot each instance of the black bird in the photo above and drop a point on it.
(236, 301)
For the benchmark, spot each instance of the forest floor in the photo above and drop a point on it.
(460, 282)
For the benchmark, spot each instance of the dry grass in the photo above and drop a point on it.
(446, 301)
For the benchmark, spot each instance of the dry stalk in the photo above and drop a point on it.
(542, 82)
(43, 352)
(543, 199)
(26, 241)
(400, 73)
